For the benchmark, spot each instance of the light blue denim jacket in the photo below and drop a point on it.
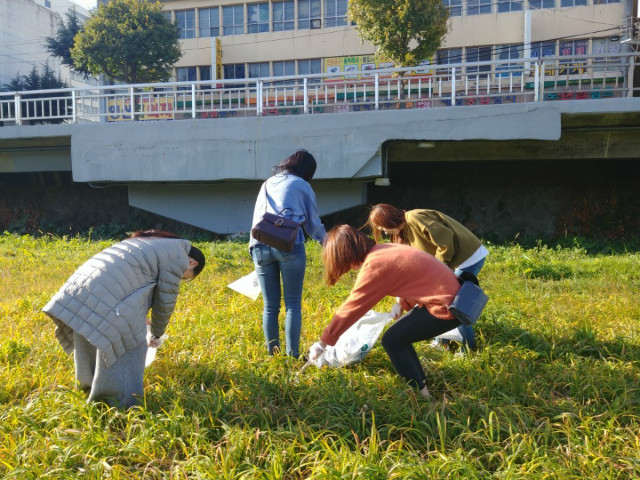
(292, 197)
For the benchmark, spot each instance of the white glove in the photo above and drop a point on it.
(316, 351)
(396, 310)
(156, 342)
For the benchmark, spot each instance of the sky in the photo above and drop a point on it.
(88, 4)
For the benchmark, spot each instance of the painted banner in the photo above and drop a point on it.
(367, 62)
(120, 109)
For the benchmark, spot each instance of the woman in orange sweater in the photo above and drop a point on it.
(424, 285)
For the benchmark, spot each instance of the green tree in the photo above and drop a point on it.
(404, 31)
(36, 110)
(129, 41)
(60, 46)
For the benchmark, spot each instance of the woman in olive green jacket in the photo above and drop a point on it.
(435, 233)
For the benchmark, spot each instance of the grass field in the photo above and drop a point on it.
(552, 393)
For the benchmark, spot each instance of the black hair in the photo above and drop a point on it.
(301, 164)
(198, 256)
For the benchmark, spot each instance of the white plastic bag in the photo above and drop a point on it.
(356, 342)
(151, 352)
(453, 335)
(247, 285)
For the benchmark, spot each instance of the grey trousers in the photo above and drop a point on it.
(119, 385)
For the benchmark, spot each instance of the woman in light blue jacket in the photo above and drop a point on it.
(289, 194)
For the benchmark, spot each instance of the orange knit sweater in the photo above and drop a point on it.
(400, 271)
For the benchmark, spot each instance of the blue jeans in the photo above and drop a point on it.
(271, 264)
(466, 331)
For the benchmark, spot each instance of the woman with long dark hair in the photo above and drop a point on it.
(289, 194)
(101, 311)
(424, 285)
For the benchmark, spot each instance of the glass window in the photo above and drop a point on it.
(282, 69)
(601, 46)
(538, 4)
(205, 72)
(476, 7)
(259, 70)
(449, 55)
(258, 17)
(186, 74)
(233, 70)
(509, 52)
(478, 54)
(454, 6)
(310, 66)
(600, 2)
(572, 3)
(283, 16)
(335, 13)
(209, 22)
(186, 20)
(543, 49)
(510, 5)
(233, 20)
(308, 14)
(573, 66)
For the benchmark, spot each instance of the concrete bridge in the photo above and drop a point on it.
(206, 172)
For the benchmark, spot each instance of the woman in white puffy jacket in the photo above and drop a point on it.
(100, 312)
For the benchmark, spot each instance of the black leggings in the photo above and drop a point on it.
(399, 338)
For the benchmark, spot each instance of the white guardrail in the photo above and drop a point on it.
(478, 83)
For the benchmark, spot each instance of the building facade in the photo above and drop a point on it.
(234, 39)
(24, 27)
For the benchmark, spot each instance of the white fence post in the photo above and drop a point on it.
(306, 97)
(377, 90)
(17, 101)
(74, 118)
(536, 81)
(453, 86)
(132, 103)
(193, 100)
(259, 98)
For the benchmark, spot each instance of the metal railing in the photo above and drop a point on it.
(477, 83)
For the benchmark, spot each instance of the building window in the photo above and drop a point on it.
(569, 49)
(335, 13)
(233, 20)
(478, 54)
(538, 4)
(454, 6)
(284, 69)
(509, 52)
(510, 5)
(309, 67)
(258, 17)
(209, 22)
(234, 70)
(283, 16)
(259, 70)
(543, 49)
(186, 74)
(600, 2)
(572, 3)
(449, 55)
(205, 73)
(308, 14)
(186, 20)
(602, 46)
(477, 7)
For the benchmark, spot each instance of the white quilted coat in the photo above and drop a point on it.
(107, 299)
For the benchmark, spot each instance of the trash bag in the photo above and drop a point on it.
(356, 342)
(247, 285)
